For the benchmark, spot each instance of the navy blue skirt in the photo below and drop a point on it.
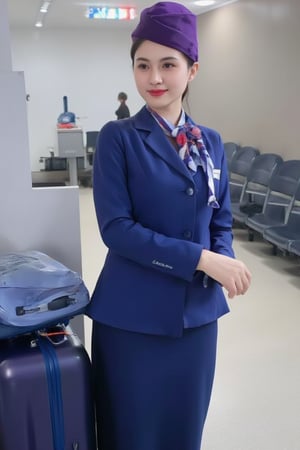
(152, 392)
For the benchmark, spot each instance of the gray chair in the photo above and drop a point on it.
(85, 176)
(239, 169)
(278, 201)
(230, 149)
(91, 139)
(281, 237)
(294, 247)
(255, 189)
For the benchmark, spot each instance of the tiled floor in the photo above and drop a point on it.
(256, 397)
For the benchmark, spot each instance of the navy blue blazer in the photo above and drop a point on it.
(154, 218)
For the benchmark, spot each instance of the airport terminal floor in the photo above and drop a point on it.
(256, 396)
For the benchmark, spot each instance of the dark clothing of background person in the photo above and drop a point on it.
(122, 112)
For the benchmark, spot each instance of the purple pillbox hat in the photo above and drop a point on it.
(170, 24)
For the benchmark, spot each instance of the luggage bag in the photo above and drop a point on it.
(37, 291)
(46, 400)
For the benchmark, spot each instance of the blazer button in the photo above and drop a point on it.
(190, 191)
(187, 234)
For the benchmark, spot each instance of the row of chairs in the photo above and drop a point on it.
(265, 195)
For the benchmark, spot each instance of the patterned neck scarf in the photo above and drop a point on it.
(191, 149)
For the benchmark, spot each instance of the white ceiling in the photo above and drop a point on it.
(71, 13)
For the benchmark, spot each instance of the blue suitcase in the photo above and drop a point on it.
(46, 400)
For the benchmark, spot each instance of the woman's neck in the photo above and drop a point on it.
(171, 116)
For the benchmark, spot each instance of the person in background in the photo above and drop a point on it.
(162, 201)
(123, 110)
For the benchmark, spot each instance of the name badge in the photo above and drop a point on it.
(217, 174)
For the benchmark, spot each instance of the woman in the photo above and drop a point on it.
(162, 202)
(123, 110)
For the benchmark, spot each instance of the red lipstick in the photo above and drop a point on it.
(157, 92)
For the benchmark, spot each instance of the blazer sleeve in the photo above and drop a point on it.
(120, 232)
(221, 223)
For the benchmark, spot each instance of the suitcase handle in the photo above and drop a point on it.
(58, 303)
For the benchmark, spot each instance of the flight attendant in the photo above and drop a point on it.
(162, 202)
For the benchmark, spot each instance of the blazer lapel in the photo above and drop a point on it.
(152, 135)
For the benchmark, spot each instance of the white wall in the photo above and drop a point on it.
(79, 64)
(248, 86)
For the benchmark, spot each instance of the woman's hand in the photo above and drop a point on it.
(231, 273)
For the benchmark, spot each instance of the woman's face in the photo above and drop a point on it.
(161, 76)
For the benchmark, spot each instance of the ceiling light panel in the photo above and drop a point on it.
(205, 2)
(44, 7)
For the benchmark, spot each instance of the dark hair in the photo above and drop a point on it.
(136, 44)
(122, 96)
